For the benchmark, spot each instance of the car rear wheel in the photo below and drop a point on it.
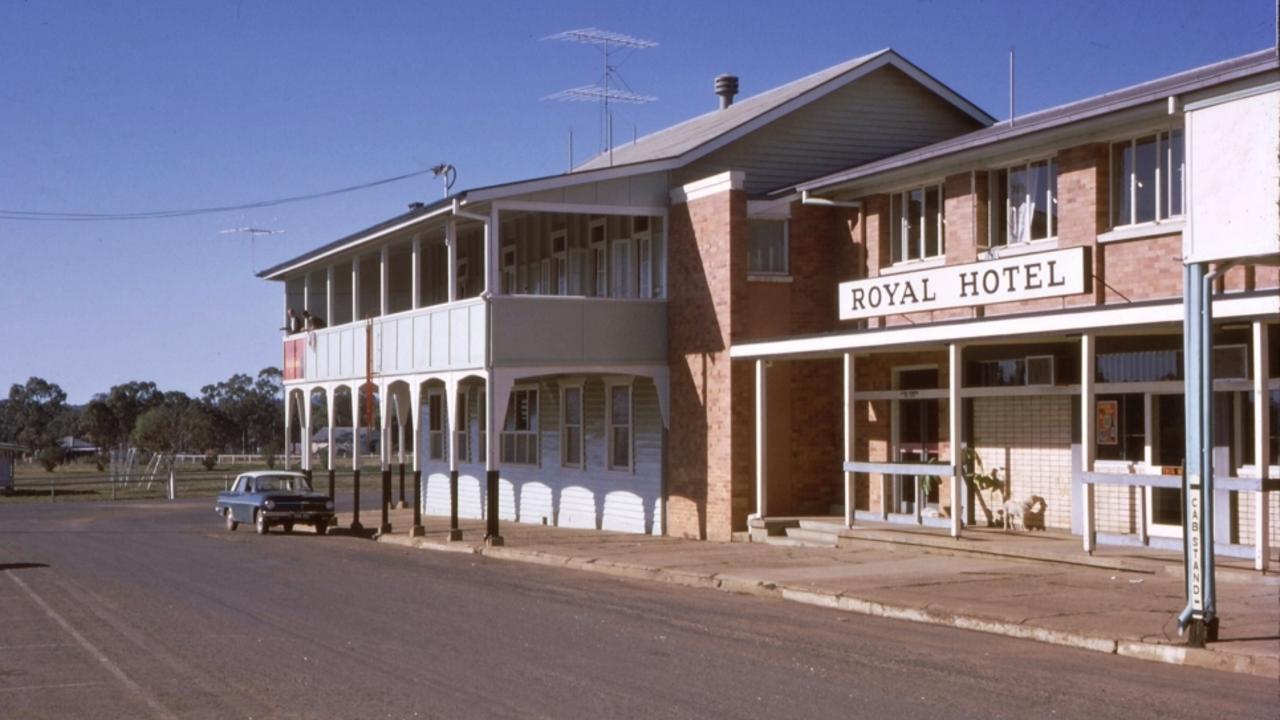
(288, 527)
(322, 527)
(260, 522)
(231, 521)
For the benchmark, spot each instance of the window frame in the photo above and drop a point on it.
(565, 387)
(510, 273)
(532, 436)
(786, 249)
(994, 193)
(462, 430)
(560, 258)
(899, 227)
(609, 425)
(621, 279)
(436, 445)
(1164, 192)
(599, 255)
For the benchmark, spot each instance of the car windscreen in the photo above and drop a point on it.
(281, 483)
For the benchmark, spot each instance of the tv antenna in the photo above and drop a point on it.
(610, 88)
(253, 234)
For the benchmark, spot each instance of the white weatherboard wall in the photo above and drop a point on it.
(591, 497)
(1229, 140)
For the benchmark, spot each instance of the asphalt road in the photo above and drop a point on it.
(154, 610)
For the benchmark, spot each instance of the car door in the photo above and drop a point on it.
(236, 504)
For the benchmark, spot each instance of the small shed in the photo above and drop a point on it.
(8, 455)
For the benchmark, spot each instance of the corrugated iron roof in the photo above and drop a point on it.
(1043, 120)
(685, 137)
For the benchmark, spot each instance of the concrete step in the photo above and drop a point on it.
(815, 538)
(783, 541)
(834, 527)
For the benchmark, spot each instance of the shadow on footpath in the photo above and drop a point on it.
(21, 566)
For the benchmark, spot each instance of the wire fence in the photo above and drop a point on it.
(86, 486)
(186, 483)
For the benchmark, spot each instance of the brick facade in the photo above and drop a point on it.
(710, 456)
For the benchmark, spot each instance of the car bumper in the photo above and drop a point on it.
(298, 515)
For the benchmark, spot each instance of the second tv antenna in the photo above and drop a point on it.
(610, 87)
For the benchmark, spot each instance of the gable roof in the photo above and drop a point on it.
(1134, 96)
(700, 135)
(662, 150)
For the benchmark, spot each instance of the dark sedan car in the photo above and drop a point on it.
(274, 497)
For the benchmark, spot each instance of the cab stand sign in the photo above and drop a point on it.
(1195, 543)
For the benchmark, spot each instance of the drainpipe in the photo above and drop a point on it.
(1201, 353)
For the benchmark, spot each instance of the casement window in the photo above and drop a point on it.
(462, 278)
(643, 237)
(658, 263)
(620, 420)
(644, 252)
(1147, 178)
(435, 426)
(559, 254)
(621, 281)
(509, 274)
(1024, 203)
(520, 431)
(482, 428)
(545, 285)
(599, 258)
(577, 284)
(916, 224)
(462, 433)
(767, 247)
(571, 447)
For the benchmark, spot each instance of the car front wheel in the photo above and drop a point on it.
(231, 521)
(288, 527)
(260, 523)
(321, 527)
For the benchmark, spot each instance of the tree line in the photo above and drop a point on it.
(239, 415)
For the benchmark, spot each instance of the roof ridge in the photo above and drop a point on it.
(836, 71)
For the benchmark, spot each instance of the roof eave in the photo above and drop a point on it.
(1049, 120)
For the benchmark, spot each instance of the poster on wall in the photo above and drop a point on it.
(1108, 422)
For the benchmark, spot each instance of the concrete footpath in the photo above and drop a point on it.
(1119, 601)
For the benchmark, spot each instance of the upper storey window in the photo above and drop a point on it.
(767, 254)
(916, 224)
(1147, 178)
(1024, 203)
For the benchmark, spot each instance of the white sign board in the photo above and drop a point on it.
(1233, 176)
(1024, 277)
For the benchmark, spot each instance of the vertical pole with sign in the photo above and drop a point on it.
(1199, 618)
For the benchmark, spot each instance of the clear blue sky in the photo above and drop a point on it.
(132, 105)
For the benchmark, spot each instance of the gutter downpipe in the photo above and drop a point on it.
(1197, 346)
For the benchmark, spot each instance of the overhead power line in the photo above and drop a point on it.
(42, 216)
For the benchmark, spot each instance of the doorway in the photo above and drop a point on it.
(916, 431)
(1169, 450)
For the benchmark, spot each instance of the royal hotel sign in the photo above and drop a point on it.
(1024, 277)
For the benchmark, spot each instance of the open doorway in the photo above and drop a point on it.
(916, 433)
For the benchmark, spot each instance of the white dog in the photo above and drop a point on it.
(1017, 512)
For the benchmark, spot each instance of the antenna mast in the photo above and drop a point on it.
(608, 90)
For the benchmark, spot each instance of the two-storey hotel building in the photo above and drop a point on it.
(843, 299)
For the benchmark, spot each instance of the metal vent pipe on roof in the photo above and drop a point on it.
(726, 88)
